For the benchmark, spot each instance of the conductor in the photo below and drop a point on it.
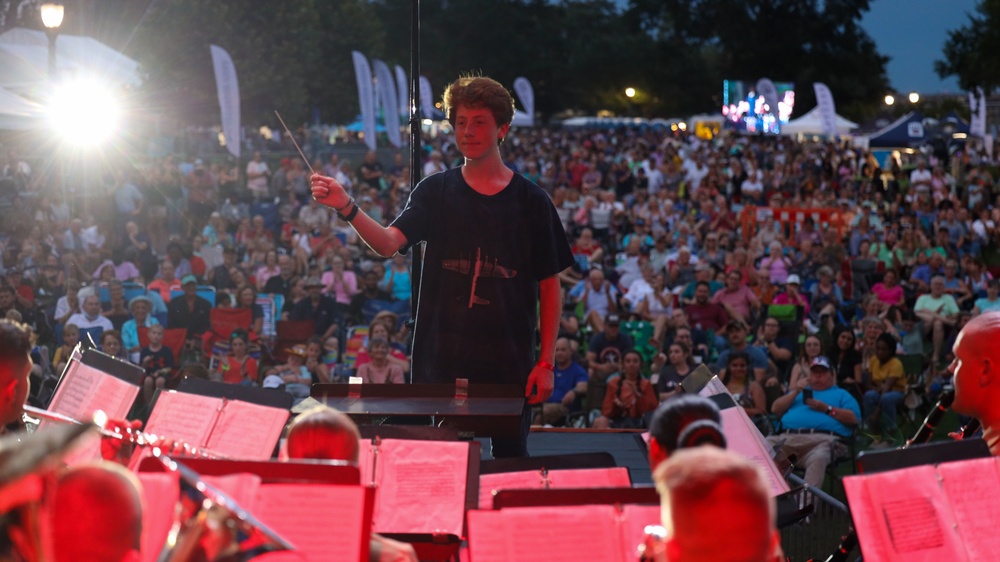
(494, 247)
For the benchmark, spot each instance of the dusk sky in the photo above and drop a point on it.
(913, 32)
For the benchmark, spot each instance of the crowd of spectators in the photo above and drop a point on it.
(682, 257)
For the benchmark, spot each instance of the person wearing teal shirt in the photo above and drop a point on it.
(992, 300)
(938, 311)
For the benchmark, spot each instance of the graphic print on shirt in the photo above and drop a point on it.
(482, 267)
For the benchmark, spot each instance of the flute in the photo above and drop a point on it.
(138, 438)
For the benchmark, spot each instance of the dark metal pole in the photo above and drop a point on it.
(417, 261)
(415, 117)
(51, 34)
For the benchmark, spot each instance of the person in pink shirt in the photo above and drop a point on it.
(340, 283)
(776, 264)
(889, 291)
(738, 300)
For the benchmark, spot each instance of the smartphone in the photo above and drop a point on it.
(807, 394)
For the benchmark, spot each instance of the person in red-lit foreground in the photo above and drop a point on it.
(716, 505)
(326, 434)
(976, 369)
(96, 515)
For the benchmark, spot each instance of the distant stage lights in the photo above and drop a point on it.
(84, 112)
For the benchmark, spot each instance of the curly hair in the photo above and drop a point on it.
(479, 92)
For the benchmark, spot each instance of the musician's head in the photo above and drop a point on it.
(707, 493)
(96, 515)
(976, 369)
(323, 433)
(685, 420)
(15, 366)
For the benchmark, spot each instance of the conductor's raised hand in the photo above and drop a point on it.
(329, 192)
(540, 384)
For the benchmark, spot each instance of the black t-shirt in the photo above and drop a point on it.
(161, 359)
(484, 257)
(278, 285)
(610, 350)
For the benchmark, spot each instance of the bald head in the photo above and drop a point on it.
(96, 515)
(707, 493)
(323, 433)
(975, 369)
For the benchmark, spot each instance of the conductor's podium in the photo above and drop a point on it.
(473, 410)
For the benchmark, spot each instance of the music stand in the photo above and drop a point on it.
(260, 396)
(413, 432)
(575, 496)
(925, 453)
(315, 472)
(550, 462)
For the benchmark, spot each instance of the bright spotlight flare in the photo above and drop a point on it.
(291, 136)
(84, 111)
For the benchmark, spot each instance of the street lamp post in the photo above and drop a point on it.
(52, 17)
(889, 99)
(914, 97)
(630, 96)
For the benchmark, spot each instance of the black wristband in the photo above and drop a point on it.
(350, 216)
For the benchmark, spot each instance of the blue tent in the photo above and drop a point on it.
(960, 125)
(906, 131)
(358, 126)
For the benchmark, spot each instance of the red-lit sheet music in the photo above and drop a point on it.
(616, 477)
(323, 521)
(229, 428)
(160, 493)
(743, 437)
(421, 485)
(927, 513)
(588, 532)
(84, 390)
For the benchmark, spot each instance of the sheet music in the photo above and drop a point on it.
(543, 534)
(179, 416)
(242, 487)
(160, 492)
(905, 516)
(633, 522)
(73, 395)
(187, 417)
(421, 486)
(744, 438)
(616, 477)
(112, 395)
(84, 389)
(488, 539)
(247, 431)
(323, 521)
(973, 490)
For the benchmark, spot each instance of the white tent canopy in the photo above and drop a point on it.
(812, 124)
(24, 71)
(17, 113)
(24, 60)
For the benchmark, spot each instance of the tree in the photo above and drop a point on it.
(972, 52)
(289, 56)
(800, 41)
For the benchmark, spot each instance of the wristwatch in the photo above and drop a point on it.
(830, 411)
